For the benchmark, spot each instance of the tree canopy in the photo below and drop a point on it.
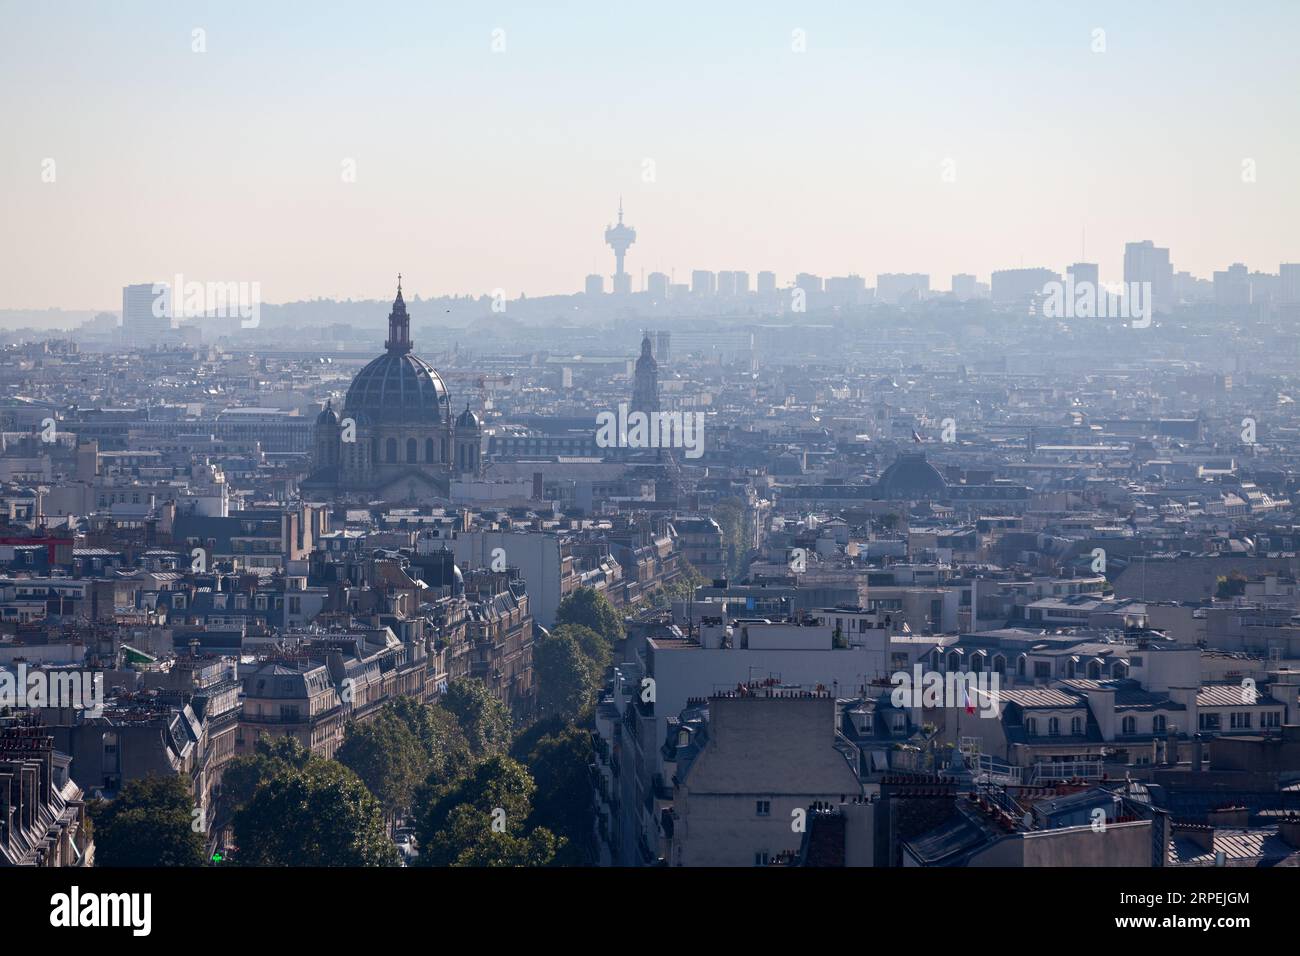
(484, 720)
(563, 801)
(589, 608)
(390, 760)
(482, 820)
(320, 814)
(151, 823)
(563, 674)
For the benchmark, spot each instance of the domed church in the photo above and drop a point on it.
(395, 439)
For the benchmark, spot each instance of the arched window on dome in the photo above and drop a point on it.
(410, 450)
(444, 456)
(428, 450)
(391, 450)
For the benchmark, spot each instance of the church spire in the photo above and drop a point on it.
(399, 323)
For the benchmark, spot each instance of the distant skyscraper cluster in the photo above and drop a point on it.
(1145, 264)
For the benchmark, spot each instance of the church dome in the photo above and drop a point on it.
(399, 387)
(467, 419)
(912, 476)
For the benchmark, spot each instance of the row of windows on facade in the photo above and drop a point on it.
(241, 602)
(1159, 723)
(412, 451)
(1042, 669)
(1240, 720)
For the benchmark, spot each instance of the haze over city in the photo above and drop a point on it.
(585, 437)
(490, 147)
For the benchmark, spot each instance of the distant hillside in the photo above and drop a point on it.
(45, 319)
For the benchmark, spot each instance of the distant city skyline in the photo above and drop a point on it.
(475, 151)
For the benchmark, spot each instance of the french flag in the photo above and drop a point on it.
(916, 437)
(970, 701)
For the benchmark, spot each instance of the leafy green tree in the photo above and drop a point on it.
(317, 815)
(559, 763)
(733, 517)
(388, 758)
(595, 648)
(687, 580)
(589, 608)
(151, 823)
(440, 736)
(243, 775)
(563, 674)
(528, 739)
(467, 841)
(484, 720)
(481, 820)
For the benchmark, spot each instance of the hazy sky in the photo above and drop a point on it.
(478, 169)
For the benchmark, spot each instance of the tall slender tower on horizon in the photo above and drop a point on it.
(618, 238)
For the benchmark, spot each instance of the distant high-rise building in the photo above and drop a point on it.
(663, 345)
(963, 286)
(1232, 285)
(1146, 262)
(1016, 287)
(703, 282)
(595, 285)
(657, 285)
(1265, 288)
(896, 287)
(767, 283)
(1082, 272)
(140, 326)
(726, 283)
(846, 290)
(1188, 288)
(618, 238)
(1289, 280)
(742, 283)
(811, 284)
